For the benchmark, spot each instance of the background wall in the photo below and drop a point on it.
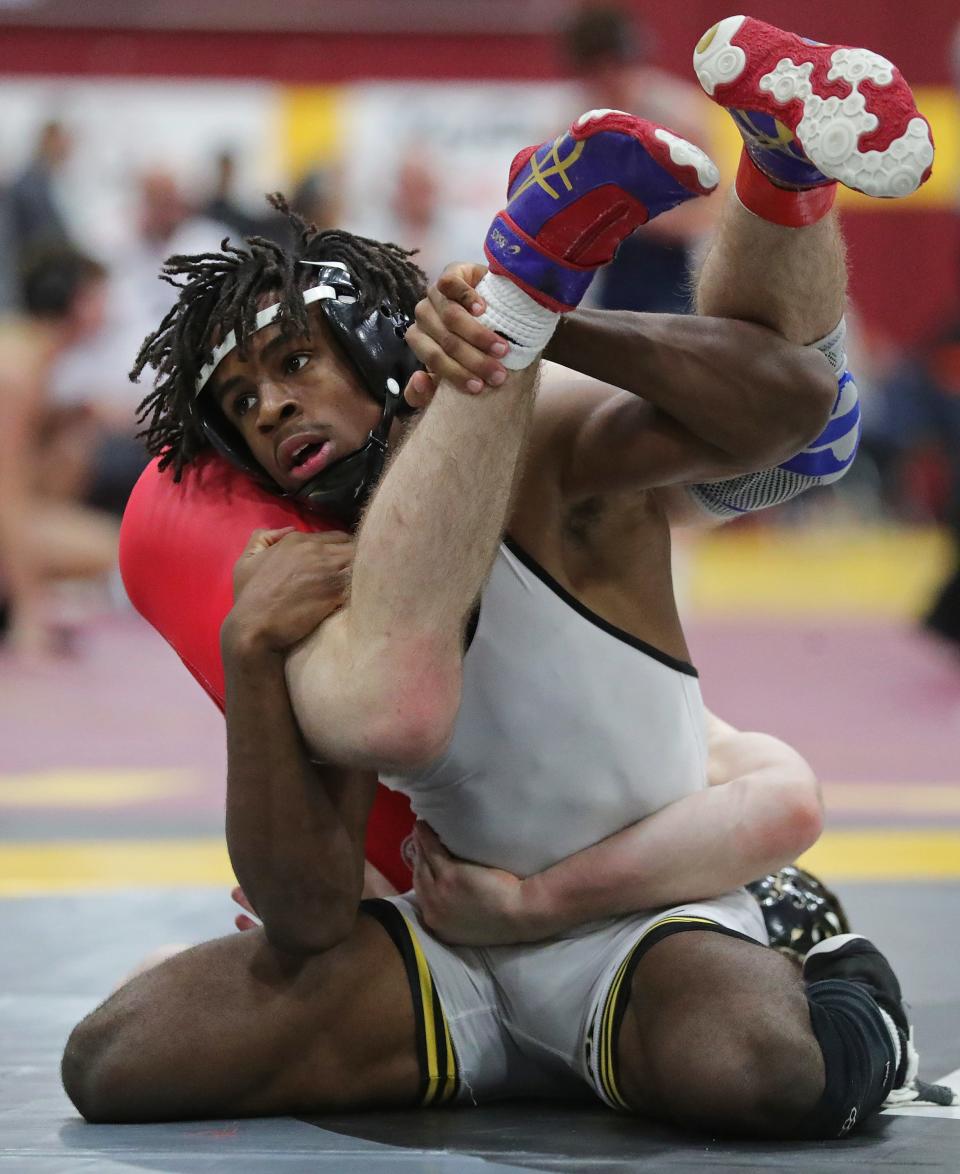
(908, 245)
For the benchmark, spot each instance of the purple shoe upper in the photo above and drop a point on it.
(579, 197)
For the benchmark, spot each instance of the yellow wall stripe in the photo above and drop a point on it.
(883, 572)
(313, 126)
(82, 865)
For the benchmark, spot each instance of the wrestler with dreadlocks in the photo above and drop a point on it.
(221, 294)
(572, 732)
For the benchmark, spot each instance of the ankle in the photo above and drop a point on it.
(788, 207)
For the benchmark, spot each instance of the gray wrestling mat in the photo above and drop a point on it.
(62, 954)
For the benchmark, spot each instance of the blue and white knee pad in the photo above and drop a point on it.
(822, 462)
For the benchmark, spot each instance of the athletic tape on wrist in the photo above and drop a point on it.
(526, 324)
(784, 206)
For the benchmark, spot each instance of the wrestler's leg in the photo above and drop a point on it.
(717, 1036)
(234, 1027)
(721, 1034)
(792, 280)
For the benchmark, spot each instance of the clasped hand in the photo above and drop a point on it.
(285, 584)
(469, 904)
(447, 338)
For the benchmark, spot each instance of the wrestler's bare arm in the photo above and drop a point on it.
(295, 831)
(720, 396)
(761, 811)
(378, 685)
(701, 398)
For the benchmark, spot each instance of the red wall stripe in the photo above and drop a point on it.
(916, 37)
(284, 57)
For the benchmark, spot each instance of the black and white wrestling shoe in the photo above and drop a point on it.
(851, 957)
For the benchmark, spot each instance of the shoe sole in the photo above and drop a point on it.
(850, 109)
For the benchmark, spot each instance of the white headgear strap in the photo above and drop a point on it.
(316, 293)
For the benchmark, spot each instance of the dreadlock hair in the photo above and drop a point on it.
(220, 292)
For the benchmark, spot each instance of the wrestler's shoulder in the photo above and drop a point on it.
(209, 488)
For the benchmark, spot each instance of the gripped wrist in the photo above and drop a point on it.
(243, 641)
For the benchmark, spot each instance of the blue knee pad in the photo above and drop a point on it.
(822, 462)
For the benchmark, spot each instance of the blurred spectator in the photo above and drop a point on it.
(164, 222)
(927, 407)
(609, 51)
(415, 208)
(315, 198)
(224, 207)
(36, 219)
(46, 450)
(923, 406)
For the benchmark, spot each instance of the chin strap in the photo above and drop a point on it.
(344, 486)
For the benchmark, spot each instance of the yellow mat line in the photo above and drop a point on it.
(77, 865)
(86, 865)
(882, 854)
(112, 787)
(96, 787)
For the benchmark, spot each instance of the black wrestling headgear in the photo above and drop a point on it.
(374, 347)
(799, 910)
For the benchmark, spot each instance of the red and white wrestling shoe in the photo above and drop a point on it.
(810, 113)
(572, 201)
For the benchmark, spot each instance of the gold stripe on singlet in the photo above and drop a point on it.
(618, 996)
(439, 1081)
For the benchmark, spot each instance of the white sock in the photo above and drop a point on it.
(833, 346)
(526, 324)
(894, 1037)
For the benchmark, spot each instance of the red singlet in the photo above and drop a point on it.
(178, 545)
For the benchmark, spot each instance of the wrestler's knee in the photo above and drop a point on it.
(751, 1080)
(98, 1068)
(730, 1051)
